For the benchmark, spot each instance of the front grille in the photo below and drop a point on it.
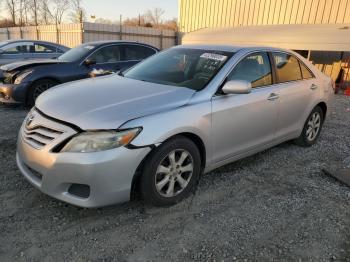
(39, 131)
(40, 136)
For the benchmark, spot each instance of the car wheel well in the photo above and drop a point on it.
(40, 79)
(194, 138)
(323, 106)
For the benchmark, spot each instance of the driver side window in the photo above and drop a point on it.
(255, 69)
(108, 54)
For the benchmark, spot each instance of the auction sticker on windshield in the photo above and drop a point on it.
(213, 56)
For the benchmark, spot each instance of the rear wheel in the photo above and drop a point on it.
(312, 128)
(171, 172)
(38, 88)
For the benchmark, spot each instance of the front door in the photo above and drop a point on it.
(243, 122)
(106, 60)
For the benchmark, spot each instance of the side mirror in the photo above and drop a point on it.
(237, 87)
(89, 62)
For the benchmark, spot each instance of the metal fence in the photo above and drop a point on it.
(74, 34)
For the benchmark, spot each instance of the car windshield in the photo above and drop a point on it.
(76, 54)
(3, 43)
(191, 68)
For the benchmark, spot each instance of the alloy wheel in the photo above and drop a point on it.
(174, 173)
(39, 89)
(313, 126)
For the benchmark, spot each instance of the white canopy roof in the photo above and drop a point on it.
(325, 37)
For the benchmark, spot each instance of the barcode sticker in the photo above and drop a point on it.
(212, 56)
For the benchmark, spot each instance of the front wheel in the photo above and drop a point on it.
(312, 128)
(171, 172)
(38, 88)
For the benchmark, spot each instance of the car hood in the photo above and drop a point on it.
(29, 63)
(110, 101)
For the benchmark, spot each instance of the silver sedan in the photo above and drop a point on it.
(157, 127)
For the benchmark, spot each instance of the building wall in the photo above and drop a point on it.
(197, 14)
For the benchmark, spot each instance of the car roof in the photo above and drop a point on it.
(231, 48)
(10, 41)
(100, 43)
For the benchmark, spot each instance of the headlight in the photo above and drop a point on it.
(20, 77)
(100, 140)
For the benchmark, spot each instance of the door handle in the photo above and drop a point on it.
(313, 87)
(273, 97)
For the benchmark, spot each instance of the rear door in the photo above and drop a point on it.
(245, 122)
(296, 86)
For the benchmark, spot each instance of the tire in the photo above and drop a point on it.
(307, 137)
(37, 88)
(161, 170)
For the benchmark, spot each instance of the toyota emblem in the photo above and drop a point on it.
(29, 120)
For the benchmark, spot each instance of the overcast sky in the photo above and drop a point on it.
(112, 9)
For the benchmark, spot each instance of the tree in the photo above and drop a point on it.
(59, 8)
(45, 12)
(154, 16)
(78, 14)
(11, 7)
(33, 6)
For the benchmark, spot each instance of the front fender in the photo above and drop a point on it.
(194, 119)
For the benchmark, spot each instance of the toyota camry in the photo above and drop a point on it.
(176, 115)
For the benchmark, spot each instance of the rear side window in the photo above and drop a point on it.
(255, 69)
(305, 71)
(137, 52)
(44, 49)
(287, 67)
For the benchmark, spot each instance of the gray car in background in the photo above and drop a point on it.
(177, 114)
(17, 50)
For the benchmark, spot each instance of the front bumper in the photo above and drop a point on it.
(107, 174)
(13, 94)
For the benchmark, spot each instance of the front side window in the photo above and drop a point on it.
(255, 69)
(287, 67)
(108, 54)
(191, 68)
(17, 49)
(137, 52)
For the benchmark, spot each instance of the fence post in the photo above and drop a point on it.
(37, 32)
(20, 32)
(82, 32)
(120, 32)
(161, 39)
(120, 28)
(57, 35)
(8, 33)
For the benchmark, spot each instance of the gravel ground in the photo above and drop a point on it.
(274, 205)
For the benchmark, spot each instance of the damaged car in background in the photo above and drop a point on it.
(22, 82)
(167, 120)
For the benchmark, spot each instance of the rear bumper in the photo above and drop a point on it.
(13, 94)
